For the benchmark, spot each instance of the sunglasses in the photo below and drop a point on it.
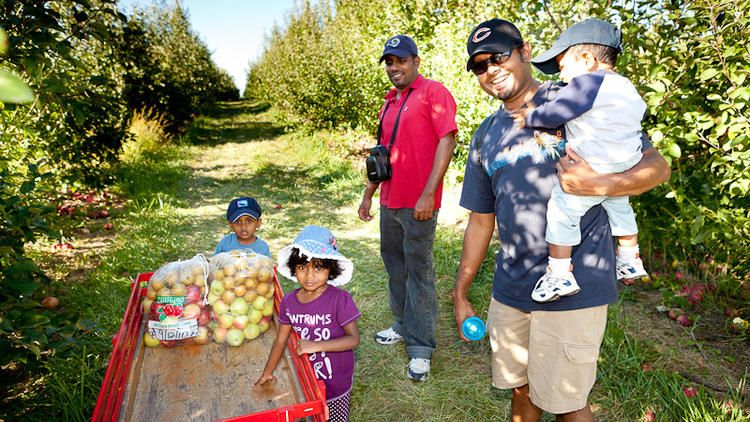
(496, 59)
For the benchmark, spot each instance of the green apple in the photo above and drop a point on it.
(252, 331)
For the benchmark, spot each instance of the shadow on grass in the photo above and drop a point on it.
(232, 122)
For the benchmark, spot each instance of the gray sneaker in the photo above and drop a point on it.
(389, 336)
(419, 369)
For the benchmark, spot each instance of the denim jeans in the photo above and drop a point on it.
(406, 248)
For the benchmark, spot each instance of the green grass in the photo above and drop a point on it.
(177, 209)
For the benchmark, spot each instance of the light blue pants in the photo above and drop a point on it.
(564, 212)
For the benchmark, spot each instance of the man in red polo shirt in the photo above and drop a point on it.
(410, 200)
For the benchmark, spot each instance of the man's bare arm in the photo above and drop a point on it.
(476, 241)
(578, 178)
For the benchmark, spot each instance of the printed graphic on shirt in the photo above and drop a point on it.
(320, 362)
(542, 146)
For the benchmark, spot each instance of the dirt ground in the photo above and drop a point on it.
(706, 353)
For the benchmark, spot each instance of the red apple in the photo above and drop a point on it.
(50, 302)
(264, 323)
(103, 213)
(684, 321)
(225, 320)
(109, 226)
(675, 312)
(240, 322)
(648, 416)
(191, 311)
(193, 294)
(678, 275)
(168, 343)
(689, 391)
(205, 317)
(220, 335)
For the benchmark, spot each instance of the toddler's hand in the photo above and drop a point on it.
(519, 115)
(264, 379)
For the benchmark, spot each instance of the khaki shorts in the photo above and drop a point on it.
(555, 352)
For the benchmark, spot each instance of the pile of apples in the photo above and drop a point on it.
(182, 278)
(240, 295)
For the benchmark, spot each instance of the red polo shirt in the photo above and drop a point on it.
(429, 115)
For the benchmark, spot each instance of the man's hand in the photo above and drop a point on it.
(425, 207)
(364, 207)
(462, 309)
(364, 210)
(578, 178)
(576, 175)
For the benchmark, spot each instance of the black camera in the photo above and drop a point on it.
(379, 164)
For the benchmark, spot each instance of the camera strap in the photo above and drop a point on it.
(395, 126)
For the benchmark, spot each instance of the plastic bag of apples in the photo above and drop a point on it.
(177, 304)
(240, 295)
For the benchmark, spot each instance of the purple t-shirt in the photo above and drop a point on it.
(324, 319)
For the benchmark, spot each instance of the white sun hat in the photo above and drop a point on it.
(316, 242)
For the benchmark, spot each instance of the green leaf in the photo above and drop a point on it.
(3, 41)
(708, 74)
(13, 89)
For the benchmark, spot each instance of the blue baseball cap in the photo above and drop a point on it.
(399, 46)
(590, 31)
(246, 205)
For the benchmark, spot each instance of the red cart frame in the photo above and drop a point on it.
(109, 401)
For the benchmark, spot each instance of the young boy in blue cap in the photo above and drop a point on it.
(243, 216)
(602, 113)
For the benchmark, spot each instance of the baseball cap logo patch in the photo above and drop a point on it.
(241, 204)
(393, 42)
(481, 34)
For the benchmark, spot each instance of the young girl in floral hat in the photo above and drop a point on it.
(324, 316)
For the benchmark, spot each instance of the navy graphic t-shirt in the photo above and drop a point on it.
(514, 180)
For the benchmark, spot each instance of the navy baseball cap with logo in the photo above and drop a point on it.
(246, 205)
(492, 36)
(399, 46)
(590, 31)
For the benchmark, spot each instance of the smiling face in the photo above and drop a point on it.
(244, 228)
(312, 276)
(510, 81)
(402, 71)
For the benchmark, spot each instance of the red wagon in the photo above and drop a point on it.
(204, 382)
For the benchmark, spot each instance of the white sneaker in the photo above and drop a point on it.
(550, 287)
(389, 336)
(630, 269)
(419, 369)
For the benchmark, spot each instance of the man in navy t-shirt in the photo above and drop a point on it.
(545, 352)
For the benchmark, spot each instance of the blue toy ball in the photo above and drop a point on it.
(473, 328)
